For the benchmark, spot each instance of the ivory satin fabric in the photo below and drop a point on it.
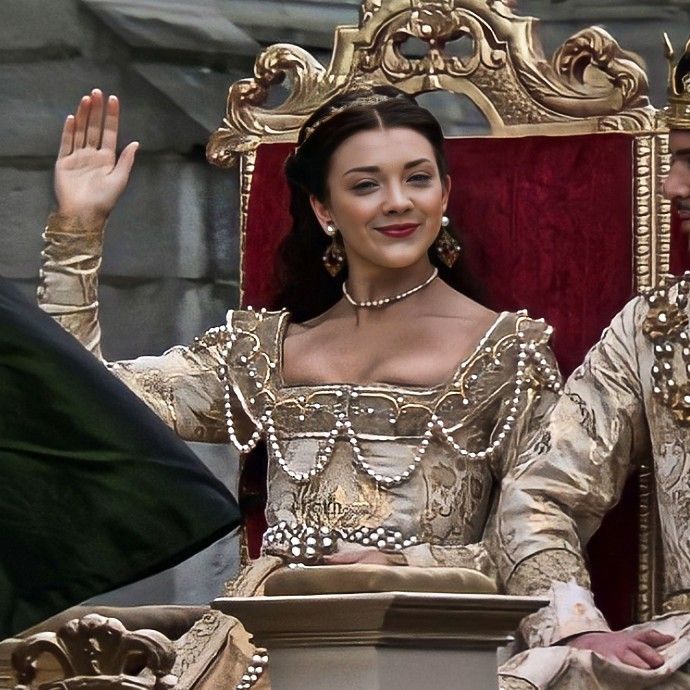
(491, 407)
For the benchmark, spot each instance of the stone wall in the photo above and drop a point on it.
(171, 255)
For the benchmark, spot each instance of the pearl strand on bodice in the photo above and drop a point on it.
(343, 429)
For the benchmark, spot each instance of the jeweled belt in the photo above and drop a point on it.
(299, 543)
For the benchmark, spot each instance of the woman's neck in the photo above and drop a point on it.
(373, 283)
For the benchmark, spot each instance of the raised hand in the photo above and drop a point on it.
(89, 177)
(635, 647)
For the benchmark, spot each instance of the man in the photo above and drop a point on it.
(95, 491)
(630, 399)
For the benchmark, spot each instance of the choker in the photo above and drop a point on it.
(376, 303)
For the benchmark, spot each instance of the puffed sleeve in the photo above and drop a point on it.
(183, 386)
(567, 479)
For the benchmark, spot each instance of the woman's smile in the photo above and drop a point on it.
(398, 230)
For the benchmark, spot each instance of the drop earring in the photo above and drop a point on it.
(334, 257)
(447, 247)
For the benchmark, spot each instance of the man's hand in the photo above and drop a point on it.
(634, 648)
(89, 178)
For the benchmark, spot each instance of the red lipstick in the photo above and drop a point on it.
(398, 231)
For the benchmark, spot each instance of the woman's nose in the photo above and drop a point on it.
(396, 200)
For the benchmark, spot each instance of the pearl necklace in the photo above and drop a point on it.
(377, 303)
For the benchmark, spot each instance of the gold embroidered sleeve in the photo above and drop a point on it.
(182, 386)
(564, 483)
(68, 287)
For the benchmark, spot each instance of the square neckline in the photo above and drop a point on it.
(282, 385)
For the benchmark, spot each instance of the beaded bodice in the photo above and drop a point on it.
(404, 464)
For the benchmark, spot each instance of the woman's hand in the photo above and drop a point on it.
(635, 648)
(361, 554)
(89, 178)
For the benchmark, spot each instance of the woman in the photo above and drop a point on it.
(374, 364)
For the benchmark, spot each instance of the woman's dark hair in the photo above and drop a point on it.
(306, 288)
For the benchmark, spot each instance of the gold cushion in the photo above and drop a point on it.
(362, 578)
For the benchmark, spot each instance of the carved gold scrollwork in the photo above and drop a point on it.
(96, 653)
(625, 84)
(246, 122)
(437, 24)
(368, 9)
(590, 84)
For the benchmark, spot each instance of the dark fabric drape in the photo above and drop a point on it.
(546, 225)
(95, 491)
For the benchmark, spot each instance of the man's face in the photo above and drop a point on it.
(677, 184)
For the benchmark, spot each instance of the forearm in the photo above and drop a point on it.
(68, 288)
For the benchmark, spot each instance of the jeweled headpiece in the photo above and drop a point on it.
(676, 114)
(365, 99)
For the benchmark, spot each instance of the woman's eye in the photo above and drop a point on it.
(420, 178)
(364, 186)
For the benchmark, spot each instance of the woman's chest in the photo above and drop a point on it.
(406, 355)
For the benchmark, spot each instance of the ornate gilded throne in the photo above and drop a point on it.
(559, 210)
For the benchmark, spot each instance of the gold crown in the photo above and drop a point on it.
(359, 102)
(677, 112)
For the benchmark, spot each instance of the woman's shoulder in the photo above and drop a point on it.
(525, 327)
(498, 324)
(261, 328)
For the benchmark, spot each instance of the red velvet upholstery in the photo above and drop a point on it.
(546, 225)
(680, 248)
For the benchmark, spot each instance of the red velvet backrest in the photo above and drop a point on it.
(545, 224)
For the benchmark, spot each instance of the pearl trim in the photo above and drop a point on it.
(343, 431)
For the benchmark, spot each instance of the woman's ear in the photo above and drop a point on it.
(446, 191)
(323, 215)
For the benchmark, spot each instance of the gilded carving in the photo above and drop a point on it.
(368, 9)
(642, 211)
(590, 84)
(436, 24)
(98, 652)
(662, 206)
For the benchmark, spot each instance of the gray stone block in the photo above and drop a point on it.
(200, 92)
(178, 219)
(174, 215)
(35, 99)
(26, 197)
(149, 317)
(305, 23)
(180, 25)
(36, 28)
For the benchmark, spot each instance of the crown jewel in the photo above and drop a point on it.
(677, 112)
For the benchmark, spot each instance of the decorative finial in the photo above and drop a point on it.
(676, 114)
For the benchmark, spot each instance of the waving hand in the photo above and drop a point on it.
(89, 177)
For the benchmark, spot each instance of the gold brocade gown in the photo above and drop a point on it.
(628, 402)
(413, 471)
